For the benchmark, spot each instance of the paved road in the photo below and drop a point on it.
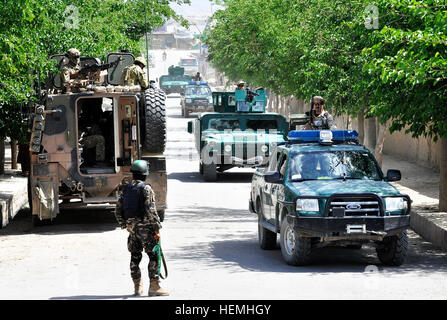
(210, 243)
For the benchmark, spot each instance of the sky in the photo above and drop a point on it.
(196, 8)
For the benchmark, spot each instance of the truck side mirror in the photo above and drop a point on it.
(393, 175)
(190, 126)
(272, 177)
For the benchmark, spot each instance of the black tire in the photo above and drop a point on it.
(161, 215)
(295, 249)
(392, 251)
(186, 113)
(209, 172)
(267, 238)
(40, 223)
(155, 115)
(201, 168)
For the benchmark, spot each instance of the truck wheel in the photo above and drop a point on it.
(392, 251)
(40, 223)
(201, 168)
(209, 172)
(155, 116)
(161, 215)
(267, 239)
(186, 113)
(295, 250)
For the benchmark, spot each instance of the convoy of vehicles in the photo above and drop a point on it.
(190, 65)
(322, 187)
(175, 81)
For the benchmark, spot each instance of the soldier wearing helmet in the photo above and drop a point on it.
(70, 70)
(136, 212)
(241, 85)
(321, 118)
(135, 75)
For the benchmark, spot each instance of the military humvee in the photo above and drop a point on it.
(68, 174)
(238, 134)
(175, 81)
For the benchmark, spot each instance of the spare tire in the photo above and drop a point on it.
(154, 139)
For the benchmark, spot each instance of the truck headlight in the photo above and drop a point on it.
(395, 204)
(264, 148)
(188, 100)
(210, 100)
(310, 205)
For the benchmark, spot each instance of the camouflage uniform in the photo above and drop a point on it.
(68, 70)
(134, 75)
(94, 139)
(142, 235)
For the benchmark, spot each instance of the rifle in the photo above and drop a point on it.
(95, 68)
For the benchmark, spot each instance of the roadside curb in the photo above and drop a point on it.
(13, 197)
(432, 226)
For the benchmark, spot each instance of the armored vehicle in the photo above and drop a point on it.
(174, 82)
(83, 141)
(321, 187)
(238, 134)
(198, 97)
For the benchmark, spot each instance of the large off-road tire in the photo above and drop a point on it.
(392, 251)
(267, 238)
(40, 223)
(209, 172)
(154, 140)
(295, 249)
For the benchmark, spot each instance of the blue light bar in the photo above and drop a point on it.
(198, 82)
(314, 135)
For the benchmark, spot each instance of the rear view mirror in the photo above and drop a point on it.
(393, 175)
(190, 126)
(272, 177)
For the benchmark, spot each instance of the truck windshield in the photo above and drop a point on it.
(198, 91)
(223, 124)
(262, 124)
(333, 165)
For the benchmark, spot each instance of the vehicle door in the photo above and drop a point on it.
(266, 191)
(277, 189)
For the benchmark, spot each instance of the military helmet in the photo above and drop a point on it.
(241, 83)
(141, 60)
(73, 52)
(140, 167)
(317, 97)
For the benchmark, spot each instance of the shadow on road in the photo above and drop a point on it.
(68, 221)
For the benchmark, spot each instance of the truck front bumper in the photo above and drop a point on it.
(349, 227)
(199, 107)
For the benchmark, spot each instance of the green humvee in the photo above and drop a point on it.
(238, 134)
(322, 187)
(175, 81)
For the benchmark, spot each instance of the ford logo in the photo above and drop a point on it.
(353, 206)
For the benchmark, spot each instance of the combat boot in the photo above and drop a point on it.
(156, 290)
(138, 283)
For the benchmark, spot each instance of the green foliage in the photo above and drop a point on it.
(396, 71)
(33, 30)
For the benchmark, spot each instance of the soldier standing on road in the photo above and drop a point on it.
(135, 75)
(136, 212)
(322, 119)
(70, 70)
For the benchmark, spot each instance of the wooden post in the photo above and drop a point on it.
(13, 144)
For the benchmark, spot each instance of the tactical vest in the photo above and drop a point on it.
(133, 201)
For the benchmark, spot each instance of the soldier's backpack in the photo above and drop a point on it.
(133, 200)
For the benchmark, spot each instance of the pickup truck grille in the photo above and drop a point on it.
(354, 207)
